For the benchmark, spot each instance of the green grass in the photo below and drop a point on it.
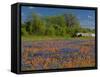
(41, 37)
(84, 38)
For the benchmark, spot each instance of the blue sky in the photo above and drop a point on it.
(86, 17)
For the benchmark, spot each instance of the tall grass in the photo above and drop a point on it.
(41, 37)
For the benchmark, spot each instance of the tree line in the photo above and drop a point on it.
(56, 25)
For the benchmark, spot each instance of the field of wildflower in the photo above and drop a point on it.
(57, 54)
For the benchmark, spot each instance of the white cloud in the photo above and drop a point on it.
(89, 16)
(31, 7)
(22, 14)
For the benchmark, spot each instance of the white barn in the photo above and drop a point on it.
(85, 34)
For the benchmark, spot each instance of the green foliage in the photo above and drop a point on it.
(37, 24)
(87, 30)
(65, 25)
(71, 20)
(28, 27)
(23, 31)
(50, 30)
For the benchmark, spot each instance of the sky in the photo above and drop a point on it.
(86, 17)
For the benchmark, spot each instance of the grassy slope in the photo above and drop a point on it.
(37, 38)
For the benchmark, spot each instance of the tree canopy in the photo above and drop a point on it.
(55, 25)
